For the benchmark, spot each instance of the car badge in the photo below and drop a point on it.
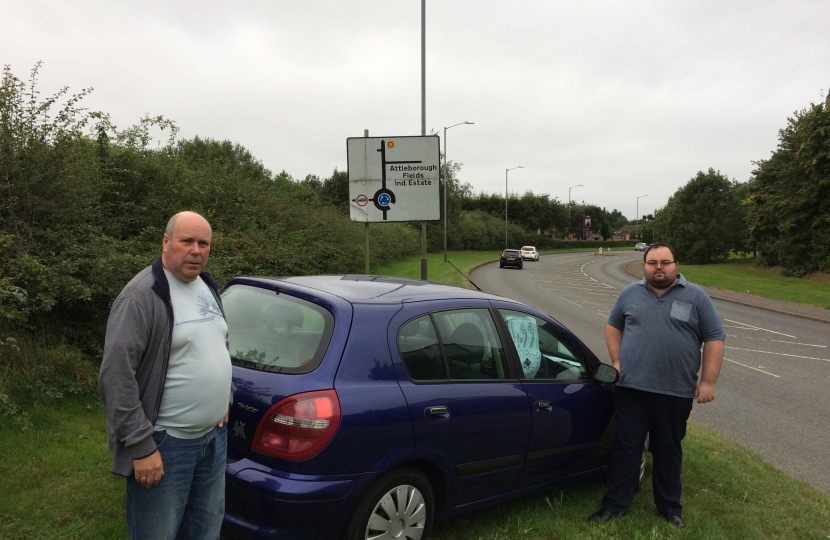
(238, 430)
(246, 407)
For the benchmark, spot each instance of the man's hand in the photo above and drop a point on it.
(712, 360)
(149, 470)
(224, 421)
(705, 392)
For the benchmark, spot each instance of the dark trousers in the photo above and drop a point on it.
(664, 417)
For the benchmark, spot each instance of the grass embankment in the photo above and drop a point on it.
(437, 271)
(55, 481)
(743, 276)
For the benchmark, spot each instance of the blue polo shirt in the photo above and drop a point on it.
(662, 336)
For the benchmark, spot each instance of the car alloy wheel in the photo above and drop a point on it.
(399, 506)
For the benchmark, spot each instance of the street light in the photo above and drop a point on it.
(505, 202)
(637, 217)
(569, 205)
(445, 184)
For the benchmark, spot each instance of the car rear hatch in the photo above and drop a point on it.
(284, 340)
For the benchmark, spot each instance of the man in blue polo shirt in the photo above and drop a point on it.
(654, 335)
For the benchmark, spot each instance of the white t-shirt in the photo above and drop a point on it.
(197, 388)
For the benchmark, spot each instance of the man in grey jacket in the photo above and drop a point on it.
(166, 383)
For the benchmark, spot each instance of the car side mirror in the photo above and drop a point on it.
(606, 374)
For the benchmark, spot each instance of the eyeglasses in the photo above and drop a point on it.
(659, 263)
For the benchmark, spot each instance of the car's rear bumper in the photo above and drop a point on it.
(267, 505)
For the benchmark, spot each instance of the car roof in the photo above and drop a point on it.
(360, 288)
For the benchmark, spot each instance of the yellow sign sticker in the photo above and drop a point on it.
(390, 144)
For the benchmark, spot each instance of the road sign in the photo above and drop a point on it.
(394, 178)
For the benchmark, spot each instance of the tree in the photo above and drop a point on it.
(704, 220)
(789, 196)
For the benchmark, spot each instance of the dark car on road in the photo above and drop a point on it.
(368, 405)
(511, 257)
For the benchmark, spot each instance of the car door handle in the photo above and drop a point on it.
(438, 413)
(543, 406)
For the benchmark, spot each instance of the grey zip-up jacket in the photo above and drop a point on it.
(134, 367)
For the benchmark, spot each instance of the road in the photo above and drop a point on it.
(772, 395)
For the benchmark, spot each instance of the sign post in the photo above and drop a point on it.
(395, 179)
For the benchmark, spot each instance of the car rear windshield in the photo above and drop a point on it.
(528, 248)
(275, 332)
(511, 251)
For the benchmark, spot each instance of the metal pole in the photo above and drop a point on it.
(366, 230)
(505, 202)
(446, 178)
(445, 195)
(637, 218)
(423, 122)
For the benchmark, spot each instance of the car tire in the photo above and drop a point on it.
(501, 265)
(641, 474)
(404, 492)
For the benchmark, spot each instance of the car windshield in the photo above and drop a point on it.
(528, 248)
(275, 332)
(511, 251)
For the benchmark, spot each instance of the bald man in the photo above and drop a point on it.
(166, 383)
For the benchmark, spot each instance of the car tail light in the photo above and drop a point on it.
(299, 426)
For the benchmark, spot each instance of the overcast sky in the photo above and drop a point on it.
(627, 98)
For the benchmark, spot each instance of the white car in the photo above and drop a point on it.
(642, 246)
(529, 252)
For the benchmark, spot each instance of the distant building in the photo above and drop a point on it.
(624, 232)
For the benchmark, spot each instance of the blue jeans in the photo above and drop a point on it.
(189, 502)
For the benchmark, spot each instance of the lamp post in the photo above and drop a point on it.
(637, 217)
(505, 202)
(445, 184)
(569, 206)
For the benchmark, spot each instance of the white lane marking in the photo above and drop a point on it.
(759, 328)
(780, 354)
(779, 341)
(566, 300)
(756, 369)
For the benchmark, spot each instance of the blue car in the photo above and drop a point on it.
(369, 406)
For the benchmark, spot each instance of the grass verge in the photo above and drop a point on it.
(728, 492)
(462, 262)
(743, 276)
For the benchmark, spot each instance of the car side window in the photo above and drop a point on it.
(420, 350)
(471, 344)
(544, 351)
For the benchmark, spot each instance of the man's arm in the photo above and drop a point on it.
(613, 339)
(124, 345)
(712, 360)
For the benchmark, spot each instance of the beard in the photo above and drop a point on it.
(660, 281)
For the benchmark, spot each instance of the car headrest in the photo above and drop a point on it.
(469, 339)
